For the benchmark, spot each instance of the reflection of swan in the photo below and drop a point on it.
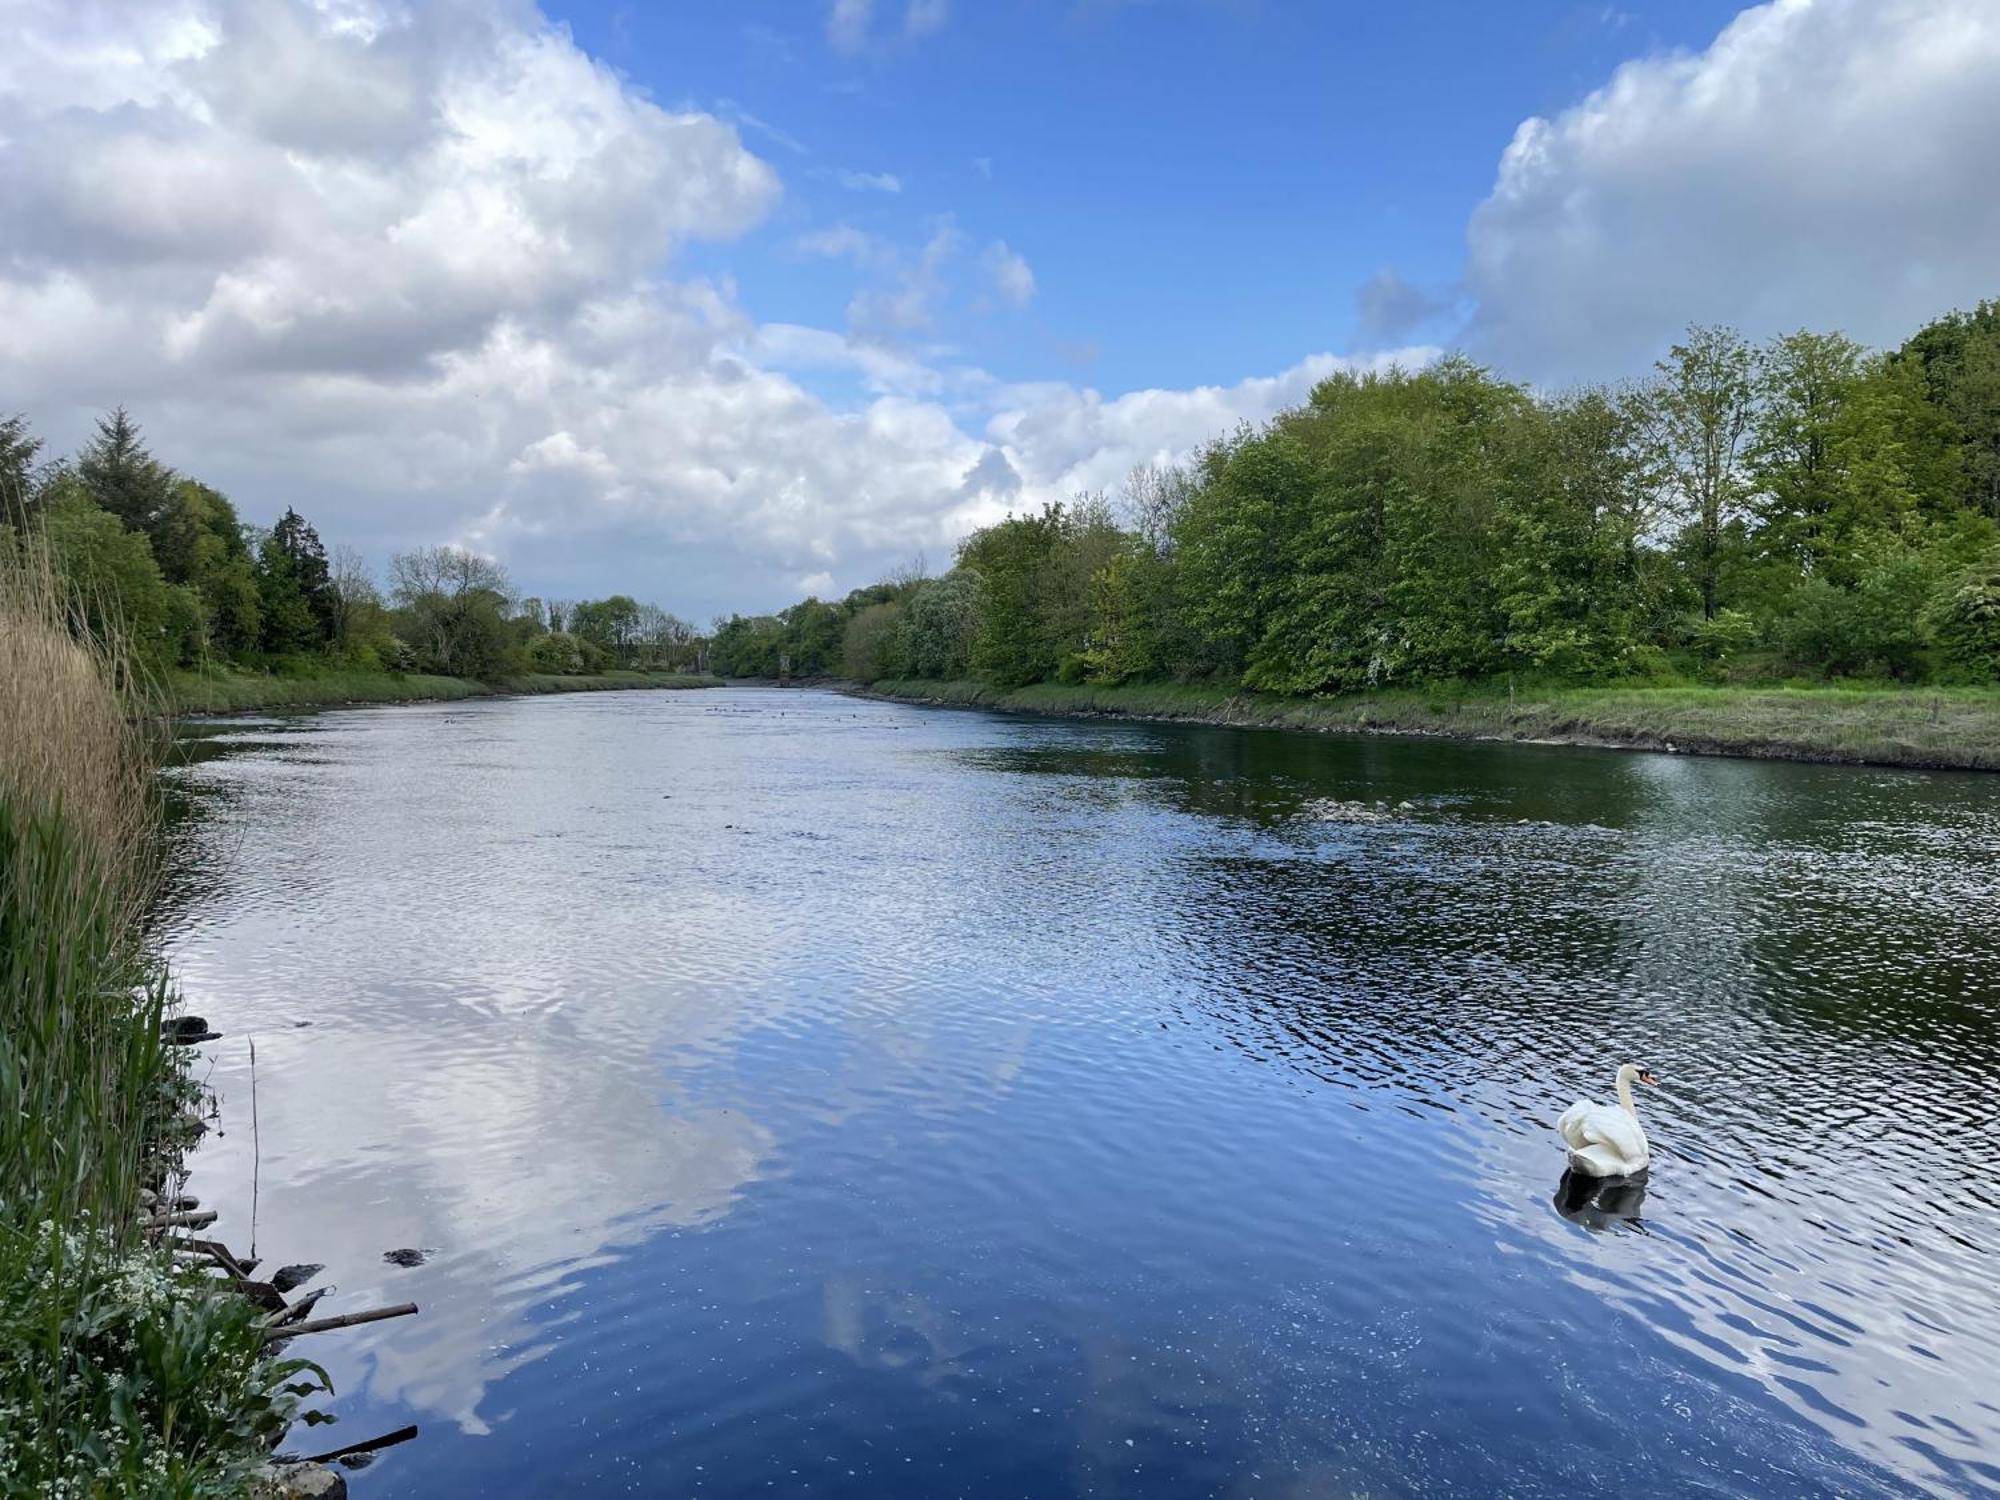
(1600, 1204)
(1608, 1142)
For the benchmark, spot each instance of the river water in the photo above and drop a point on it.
(799, 1095)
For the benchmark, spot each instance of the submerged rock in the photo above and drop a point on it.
(406, 1257)
(298, 1482)
(287, 1277)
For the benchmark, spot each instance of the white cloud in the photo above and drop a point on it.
(851, 30)
(923, 17)
(847, 24)
(1010, 274)
(1822, 163)
(432, 303)
(868, 182)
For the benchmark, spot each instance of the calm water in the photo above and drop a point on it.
(808, 1096)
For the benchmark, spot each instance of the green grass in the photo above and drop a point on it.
(1955, 728)
(235, 692)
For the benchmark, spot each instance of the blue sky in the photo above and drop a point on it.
(1202, 188)
(724, 304)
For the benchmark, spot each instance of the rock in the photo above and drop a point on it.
(406, 1257)
(298, 1482)
(287, 1277)
(265, 1295)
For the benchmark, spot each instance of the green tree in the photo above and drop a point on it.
(454, 606)
(122, 476)
(117, 585)
(1958, 357)
(872, 645)
(19, 448)
(1700, 407)
(940, 624)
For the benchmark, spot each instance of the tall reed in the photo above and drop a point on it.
(119, 1374)
(83, 1075)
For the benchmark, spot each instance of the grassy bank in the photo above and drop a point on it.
(119, 1373)
(1956, 728)
(235, 692)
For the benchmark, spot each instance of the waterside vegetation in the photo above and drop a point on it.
(1695, 557)
(236, 615)
(1957, 729)
(120, 1373)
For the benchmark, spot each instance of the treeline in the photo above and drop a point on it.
(1804, 508)
(166, 564)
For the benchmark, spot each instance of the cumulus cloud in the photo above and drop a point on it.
(409, 269)
(1009, 272)
(1822, 163)
(1388, 309)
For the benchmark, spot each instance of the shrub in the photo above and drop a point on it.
(1875, 626)
(1964, 618)
(558, 652)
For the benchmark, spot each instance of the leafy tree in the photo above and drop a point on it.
(812, 641)
(1958, 357)
(454, 605)
(940, 624)
(117, 585)
(872, 646)
(1700, 408)
(612, 625)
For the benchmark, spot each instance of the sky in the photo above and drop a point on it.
(720, 305)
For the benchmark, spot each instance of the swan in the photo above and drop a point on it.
(1605, 1141)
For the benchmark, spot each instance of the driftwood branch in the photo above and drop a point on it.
(219, 1252)
(298, 1309)
(373, 1445)
(345, 1320)
(201, 1220)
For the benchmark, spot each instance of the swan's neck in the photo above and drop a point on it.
(1625, 1097)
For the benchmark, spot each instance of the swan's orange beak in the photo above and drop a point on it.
(1649, 1080)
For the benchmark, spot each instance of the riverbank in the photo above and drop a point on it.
(238, 692)
(1938, 729)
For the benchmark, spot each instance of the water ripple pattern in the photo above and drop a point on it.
(806, 1096)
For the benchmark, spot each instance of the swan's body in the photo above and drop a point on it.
(1607, 1140)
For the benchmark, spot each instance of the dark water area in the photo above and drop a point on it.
(806, 1096)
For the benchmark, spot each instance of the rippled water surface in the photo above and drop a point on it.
(800, 1095)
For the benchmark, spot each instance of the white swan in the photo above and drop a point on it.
(1605, 1141)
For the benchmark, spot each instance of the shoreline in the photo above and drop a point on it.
(217, 697)
(1911, 729)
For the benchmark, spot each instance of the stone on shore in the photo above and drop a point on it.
(298, 1482)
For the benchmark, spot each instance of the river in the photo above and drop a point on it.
(799, 1095)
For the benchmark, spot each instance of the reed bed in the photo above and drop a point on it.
(119, 1375)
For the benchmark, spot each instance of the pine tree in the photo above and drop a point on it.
(122, 476)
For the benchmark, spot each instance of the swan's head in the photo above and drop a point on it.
(1633, 1071)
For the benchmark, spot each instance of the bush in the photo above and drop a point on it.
(1877, 626)
(1964, 618)
(558, 652)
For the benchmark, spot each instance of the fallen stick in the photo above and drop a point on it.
(373, 1445)
(298, 1309)
(345, 1320)
(201, 1220)
(222, 1257)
